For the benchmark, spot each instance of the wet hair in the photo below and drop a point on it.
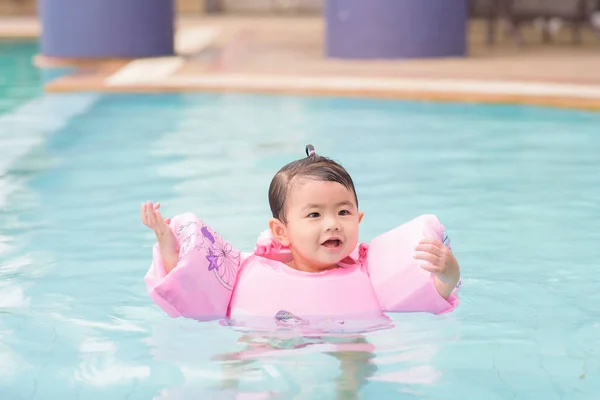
(312, 167)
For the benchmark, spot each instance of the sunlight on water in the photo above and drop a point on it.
(517, 188)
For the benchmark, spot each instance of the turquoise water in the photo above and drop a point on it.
(517, 188)
(19, 80)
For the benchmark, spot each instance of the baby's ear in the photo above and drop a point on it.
(361, 214)
(278, 231)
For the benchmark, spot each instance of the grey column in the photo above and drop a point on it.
(368, 29)
(107, 28)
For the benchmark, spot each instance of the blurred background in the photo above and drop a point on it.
(482, 112)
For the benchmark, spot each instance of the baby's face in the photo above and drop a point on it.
(322, 223)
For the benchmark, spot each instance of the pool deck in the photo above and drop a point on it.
(285, 55)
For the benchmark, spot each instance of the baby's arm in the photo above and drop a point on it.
(441, 262)
(193, 269)
(167, 241)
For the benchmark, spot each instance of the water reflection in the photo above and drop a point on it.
(220, 362)
(354, 354)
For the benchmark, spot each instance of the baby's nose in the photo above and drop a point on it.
(332, 224)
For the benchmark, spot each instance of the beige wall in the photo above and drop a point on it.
(190, 6)
(292, 6)
(194, 7)
(28, 7)
(17, 7)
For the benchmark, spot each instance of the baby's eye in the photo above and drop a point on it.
(344, 212)
(314, 215)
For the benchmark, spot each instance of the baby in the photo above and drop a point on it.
(315, 217)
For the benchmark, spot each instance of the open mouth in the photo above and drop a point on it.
(332, 243)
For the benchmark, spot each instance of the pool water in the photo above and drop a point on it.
(19, 80)
(517, 187)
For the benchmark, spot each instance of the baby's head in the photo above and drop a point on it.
(315, 211)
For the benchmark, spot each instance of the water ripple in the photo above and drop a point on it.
(517, 188)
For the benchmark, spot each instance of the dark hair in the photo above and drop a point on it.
(312, 167)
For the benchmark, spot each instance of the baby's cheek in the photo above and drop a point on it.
(354, 238)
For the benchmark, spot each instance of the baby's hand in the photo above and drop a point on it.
(167, 242)
(441, 262)
(151, 218)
